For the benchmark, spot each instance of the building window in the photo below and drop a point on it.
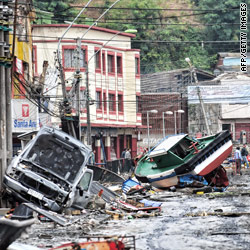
(70, 58)
(111, 64)
(98, 100)
(120, 103)
(112, 102)
(137, 66)
(119, 64)
(97, 59)
(105, 101)
(103, 63)
(26, 71)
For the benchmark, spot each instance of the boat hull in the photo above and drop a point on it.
(165, 182)
(214, 161)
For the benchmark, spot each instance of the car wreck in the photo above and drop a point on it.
(51, 171)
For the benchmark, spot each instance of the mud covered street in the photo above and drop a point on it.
(217, 220)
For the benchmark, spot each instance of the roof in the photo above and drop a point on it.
(171, 81)
(237, 76)
(175, 71)
(229, 54)
(85, 27)
(165, 145)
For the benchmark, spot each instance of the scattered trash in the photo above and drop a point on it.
(101, 242)
(148, 203)
(128, 184)
(203, 190)
(192, 181)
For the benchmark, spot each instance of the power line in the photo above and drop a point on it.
(125, 21)
(140, 41)
(156, 9)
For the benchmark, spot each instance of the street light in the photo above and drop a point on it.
(177, 111)
(87, 82)
(163, 120)
(153, 112)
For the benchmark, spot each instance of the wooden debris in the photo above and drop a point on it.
(226, 214)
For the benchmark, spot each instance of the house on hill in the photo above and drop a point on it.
(229, 62)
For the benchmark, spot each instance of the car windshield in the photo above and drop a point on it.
(56, 156)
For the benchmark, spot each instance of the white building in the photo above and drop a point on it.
(227, 99)
(114, 81)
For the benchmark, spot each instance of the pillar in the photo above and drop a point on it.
(134, 147)
(107, 148)
(118, 149)
(98, 151)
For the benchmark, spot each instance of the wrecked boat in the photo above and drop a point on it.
(50, 172)
(180, 155)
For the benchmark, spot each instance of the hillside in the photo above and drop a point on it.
(168, 31)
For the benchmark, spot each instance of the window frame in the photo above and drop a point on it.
(112, 56)
(103, 62)
(120, 103)
(104, 101)
(112, 103)
(119, 68)
(99, 107)
(98, 55)
(73, 47)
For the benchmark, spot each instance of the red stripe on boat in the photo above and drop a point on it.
(217, 162)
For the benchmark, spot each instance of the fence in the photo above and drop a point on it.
(120, 166)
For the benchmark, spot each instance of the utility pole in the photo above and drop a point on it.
(66, 102)
(89, 141)
(5, 91)
(78, 85)
(193, 71)
(66, 114)
(66, 107)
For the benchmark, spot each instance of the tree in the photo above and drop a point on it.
(173, 46)
(224, 22)
(61, 11)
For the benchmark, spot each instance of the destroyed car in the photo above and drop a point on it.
(51, 171)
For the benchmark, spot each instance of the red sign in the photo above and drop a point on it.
(25, 110)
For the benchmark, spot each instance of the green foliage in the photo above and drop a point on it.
(61, 11)
(224, 22)
(167, 55)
